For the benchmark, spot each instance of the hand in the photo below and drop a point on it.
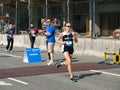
(10, 35)
(41, 31)
(29, 32)
(63, 43)
(75, 39)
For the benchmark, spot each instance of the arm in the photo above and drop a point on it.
(59, 39)
(7, 33)
(47, 33)
(75, 37)
(28, 30)
(42, 31)
(12, 35)
(36, 30)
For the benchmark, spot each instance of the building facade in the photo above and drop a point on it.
(87, 16)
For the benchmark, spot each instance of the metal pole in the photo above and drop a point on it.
(2, 20)
(63, 9)
(92, 17)
(68, 11)
(46, 9)
(29, 14)
(16, 18)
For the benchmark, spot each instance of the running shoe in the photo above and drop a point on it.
(73, 79)
(58, 64)
(50, 62)
(10, 51)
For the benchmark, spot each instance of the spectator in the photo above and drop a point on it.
(10, 38)
(50, 40)
(32, 34)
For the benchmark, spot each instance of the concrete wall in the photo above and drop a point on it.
(86, 46)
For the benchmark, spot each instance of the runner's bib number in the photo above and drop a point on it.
(69, 43)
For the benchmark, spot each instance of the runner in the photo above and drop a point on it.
(67, 37)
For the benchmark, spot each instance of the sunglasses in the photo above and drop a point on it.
(68, 26)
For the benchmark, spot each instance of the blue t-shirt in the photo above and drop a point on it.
(10, 33)
(50, 30)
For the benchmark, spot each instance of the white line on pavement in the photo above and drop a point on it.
(16, 80)
(10, 55)
(106, 73)
(5, 84)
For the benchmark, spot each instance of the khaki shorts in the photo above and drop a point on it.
(51, 47)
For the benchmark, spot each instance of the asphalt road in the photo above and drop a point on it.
(88, 79)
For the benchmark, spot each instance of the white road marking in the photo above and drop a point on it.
(16, 80)
(10, 55)
(106, 73)
(5, 84)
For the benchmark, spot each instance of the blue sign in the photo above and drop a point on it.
(32, 55)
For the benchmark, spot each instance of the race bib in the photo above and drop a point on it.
(69, 43)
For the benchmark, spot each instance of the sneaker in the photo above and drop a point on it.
(58, 64)
(73, 79)
(50, 62)
(11, 51)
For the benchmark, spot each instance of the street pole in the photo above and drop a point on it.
(16, 18)
(29, 14)
(68, 11)
(92, 18)
(2, 20)
(46, 9)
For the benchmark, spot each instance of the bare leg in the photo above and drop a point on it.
(68, 63)
(52, 56)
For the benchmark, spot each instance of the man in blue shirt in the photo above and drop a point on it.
(10, 38)
(50, 40)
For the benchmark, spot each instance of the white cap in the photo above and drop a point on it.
(48, 20)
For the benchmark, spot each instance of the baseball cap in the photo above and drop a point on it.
(48, 20)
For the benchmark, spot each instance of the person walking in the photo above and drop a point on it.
(67, 36)
(10, 38)
(50, 40)
(32, 34)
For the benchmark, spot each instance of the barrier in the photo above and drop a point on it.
(113, 59)
(32, 55)
(23, 32)
(85, 46)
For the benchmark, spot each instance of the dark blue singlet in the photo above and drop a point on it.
(68, 47)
